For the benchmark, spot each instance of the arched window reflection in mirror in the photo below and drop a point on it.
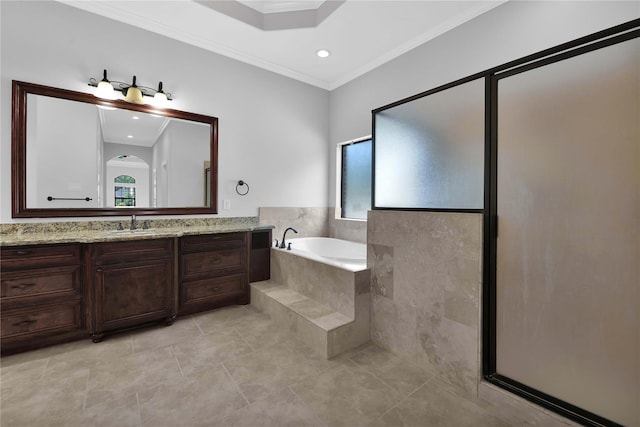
(129, 183)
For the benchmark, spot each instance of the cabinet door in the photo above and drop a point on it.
(128, 294)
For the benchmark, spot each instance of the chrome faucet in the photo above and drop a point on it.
(134, 223)
(282, 244)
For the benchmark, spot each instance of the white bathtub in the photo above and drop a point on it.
(340, 253)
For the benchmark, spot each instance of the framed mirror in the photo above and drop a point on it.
(74, 154)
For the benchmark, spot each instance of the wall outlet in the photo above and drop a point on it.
(226, 204)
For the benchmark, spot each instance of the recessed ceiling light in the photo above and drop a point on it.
(135, 117)
(323, 53)
(129, 136)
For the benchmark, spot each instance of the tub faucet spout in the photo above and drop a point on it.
(282, 244)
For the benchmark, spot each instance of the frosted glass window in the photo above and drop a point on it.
(356, 180)
(568, 245)
(429, 153)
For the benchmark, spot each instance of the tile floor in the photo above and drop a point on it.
(227, 367)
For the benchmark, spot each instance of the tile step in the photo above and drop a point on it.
(313, 311)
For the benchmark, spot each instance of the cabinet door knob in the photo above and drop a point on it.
(23, 286)
(99, 270)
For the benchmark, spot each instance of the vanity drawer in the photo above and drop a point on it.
(212, 242)
(40, 282)
(40, 256)
(134, 250)
(201, 265)
(46, 319)
(202, 295)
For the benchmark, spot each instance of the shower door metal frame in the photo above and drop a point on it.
(599, 40)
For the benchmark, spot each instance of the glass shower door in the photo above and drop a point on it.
(568, 244)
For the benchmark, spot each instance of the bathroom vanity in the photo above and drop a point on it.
(106, 281)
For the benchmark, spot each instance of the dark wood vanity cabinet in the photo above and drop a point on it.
(62, 292)
(213, 271)
(260, 256)
(133, 284)
(43, 297)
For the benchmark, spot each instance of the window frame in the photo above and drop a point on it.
(339, 177)
(131, 185)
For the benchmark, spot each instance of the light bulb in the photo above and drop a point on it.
(105, 89)
(134, 94)
(160, 98)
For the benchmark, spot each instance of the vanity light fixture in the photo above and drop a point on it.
(132, 92)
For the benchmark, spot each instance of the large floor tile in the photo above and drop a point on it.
(194, 400)
(281, 409)
(224, 318)
(208, 350)
(391, 369)
(137, 372)
(87, 354)
(121, 412)
(433, 406)
(161, 335)
(45, 402)
(261, 374)
(261, 332)
(346, 395)
(23, 371)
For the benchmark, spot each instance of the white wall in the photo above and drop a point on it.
(273, 131)
(188, 155)
(507, 32)
(160, 170)
(69, 171)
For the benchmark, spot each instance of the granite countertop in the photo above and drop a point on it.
(107, 231)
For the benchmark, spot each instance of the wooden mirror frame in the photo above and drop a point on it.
(19, 208)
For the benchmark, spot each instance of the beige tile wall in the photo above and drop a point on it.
(313, 222)
(426, 283)
(348, 229)
(309, 222)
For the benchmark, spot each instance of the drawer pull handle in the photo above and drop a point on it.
(23, 252)
(215, 289)
(23, 286)
(99, 270)
(216, 261)
(25, 322)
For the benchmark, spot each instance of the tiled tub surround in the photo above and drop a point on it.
(426, 276)
(309, 222)
(99, 231)
(348, 229)
(326, 307)
(313, 222)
